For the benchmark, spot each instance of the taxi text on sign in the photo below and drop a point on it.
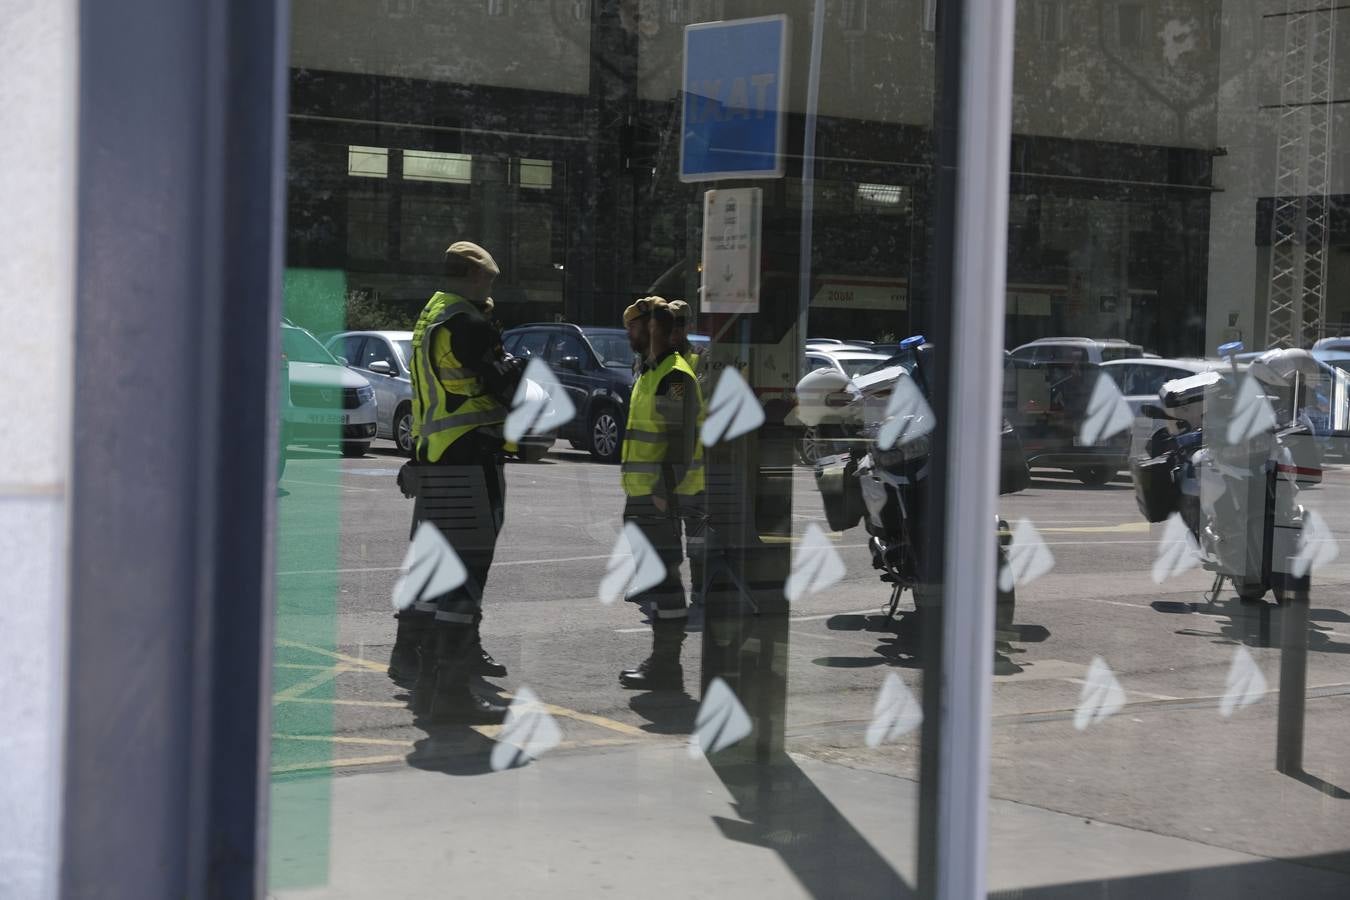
(735, 86)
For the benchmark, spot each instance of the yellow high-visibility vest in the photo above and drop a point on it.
(645, 442)
(449, 400)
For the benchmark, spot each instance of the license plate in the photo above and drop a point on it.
(328, 419)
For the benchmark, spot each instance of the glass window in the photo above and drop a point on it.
(612, 348)
(300, 346)
(1151, 225)
(565, 345)
(530, 343)
(428, 165)
(368, 162)
(377, 348)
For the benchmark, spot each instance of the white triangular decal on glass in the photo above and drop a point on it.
(1246, 684)
(733, 411)
(634, 566)
(721, 722)
(1316, 545)
(431, 568)
(1101, 697)
(528, 732)
(1107, 413)
(540, 404)
(1177, 551)
(816, 565)
(1252, 413)
(895, 714)
(1028, 557)
(908, 415)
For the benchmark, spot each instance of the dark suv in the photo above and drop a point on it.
(595, 366)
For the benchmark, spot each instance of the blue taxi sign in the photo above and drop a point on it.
(735, 90)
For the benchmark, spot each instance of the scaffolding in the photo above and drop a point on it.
(1297, 298)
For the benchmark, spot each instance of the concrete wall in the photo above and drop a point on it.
(38, 84)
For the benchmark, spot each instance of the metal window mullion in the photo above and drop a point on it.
(983, 140)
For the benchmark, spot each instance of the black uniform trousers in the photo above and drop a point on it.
(464, 495)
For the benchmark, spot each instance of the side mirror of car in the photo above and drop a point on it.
(380, 367)
(342, 361)
(570, 363)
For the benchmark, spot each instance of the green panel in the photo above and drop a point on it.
(308, 522)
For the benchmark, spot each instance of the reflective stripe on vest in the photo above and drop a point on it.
(646, 443)
(449, 400)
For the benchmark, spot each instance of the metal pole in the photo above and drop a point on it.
(977, 309)
(1293, 682)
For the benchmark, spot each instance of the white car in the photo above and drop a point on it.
(1140, 380)
(1077, 349)
(846, 360)
(327, 403)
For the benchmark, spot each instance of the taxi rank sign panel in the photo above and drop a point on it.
(735, 86)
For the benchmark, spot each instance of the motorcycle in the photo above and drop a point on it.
(1223, 462)
(884, 483)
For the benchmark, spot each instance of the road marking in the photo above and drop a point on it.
(332, 654)
(873, 610)
(304, 687)
(338, 739)
(1080, 681)
(359, 761)
(1123, 527)
(328, 484)
(295, 693)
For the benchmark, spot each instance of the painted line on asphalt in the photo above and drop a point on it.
(363, 761)
(813, 618)
(297, 691)
(332, 654)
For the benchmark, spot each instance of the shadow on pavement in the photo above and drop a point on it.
(903, 647)
(452, 750)
(782, 810)
(1253, 624)
(666, 712)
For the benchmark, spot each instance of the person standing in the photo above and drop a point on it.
(692, 512)
(661, 468)
(463, 383)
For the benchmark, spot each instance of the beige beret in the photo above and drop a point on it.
(681, 311)
(474, 254)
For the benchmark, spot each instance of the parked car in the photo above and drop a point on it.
(1047, 403)
(327, 403)
(1077, 349)
(595, 367)
(383, 358)
(849, 361)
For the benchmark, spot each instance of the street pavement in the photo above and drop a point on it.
(1167, 791)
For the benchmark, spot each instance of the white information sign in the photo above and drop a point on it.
(731, 231)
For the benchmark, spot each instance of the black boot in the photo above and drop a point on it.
(405, 658)
(450, 698)
(480, 661)
(662, 670)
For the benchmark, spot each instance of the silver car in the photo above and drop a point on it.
(383, 357)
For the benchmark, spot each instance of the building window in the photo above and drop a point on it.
(536, 174)
(1050, 21)
(1130, 25)
(368, 162)
(428, 165)
(853, 15)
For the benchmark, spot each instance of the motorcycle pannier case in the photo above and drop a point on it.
(1155, 490)
(840, 492)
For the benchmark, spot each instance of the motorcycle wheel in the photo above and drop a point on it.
(1005, 603)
